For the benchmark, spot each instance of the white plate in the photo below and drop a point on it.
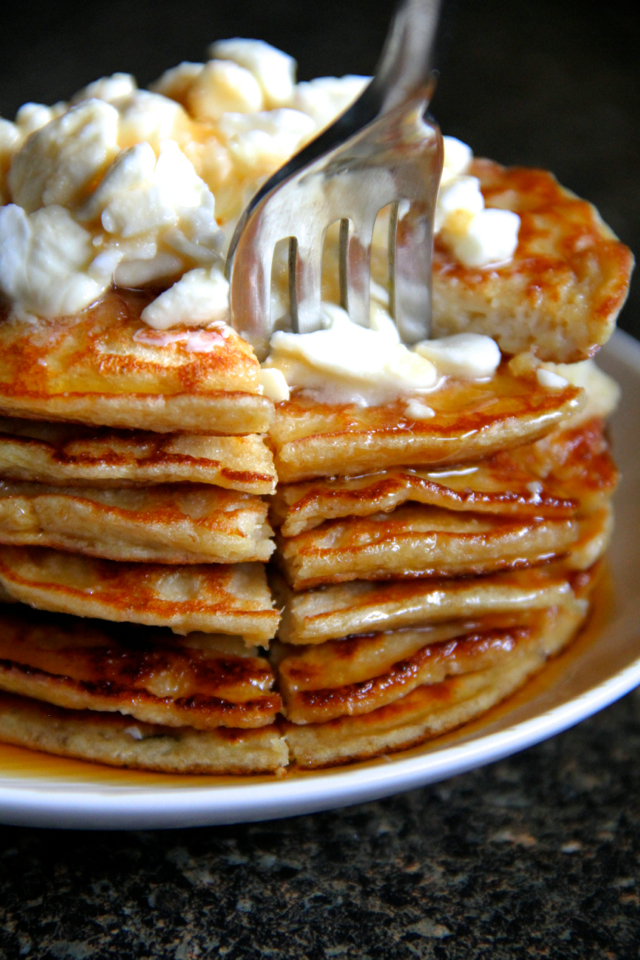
(603, 665)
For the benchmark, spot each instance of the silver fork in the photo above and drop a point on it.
(382, 151)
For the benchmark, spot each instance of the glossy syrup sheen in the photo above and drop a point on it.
(88, 586)
(17, 763)
(471, 419)
(108, 349)
(459, 406)
(198, 683)
(550, 478)
(555, 670)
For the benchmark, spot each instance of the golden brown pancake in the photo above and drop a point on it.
(215, 598)
(567, 471)
(360, 674)
(361, 606)
(339, 663)
(89, 665)
(473, 419)
(593, 540)
(432, 709)
(418, 541)
(106, 367)
(65, 454)
(180, 523)
(115, 740)
(81, 649)
(560, 294)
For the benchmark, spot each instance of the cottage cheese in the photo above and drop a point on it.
(274, 70)
(347, 363)
(466, 356)
(133, 187)
(477, 237)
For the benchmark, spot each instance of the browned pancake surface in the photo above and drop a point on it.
(360, 606)
(567, 471)
(431, 709)
(116, 740)
(560, 294)
(181, 523)
(83, 664)
(106, 367)
(418, 541)
(473, 419)
(59, 453)
(396, 664)
(214, 597)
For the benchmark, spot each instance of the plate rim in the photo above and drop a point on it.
(50, 802)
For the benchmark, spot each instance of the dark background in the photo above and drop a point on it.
(536, 856)
(551, 83)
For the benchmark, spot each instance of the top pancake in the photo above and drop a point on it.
(472, 419)
(560, 294)
(106, 367)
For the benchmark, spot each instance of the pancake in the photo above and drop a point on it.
(360, 674)
(560, 294)
(339, 663)
(552, 478)
(215, 598)
(65, 454)
(430, 710)
(358, 607)
(595, 534)
(472, 419)
(418, 541)
(85, 665)
(106, 367)
(115, 740)
(186, 523)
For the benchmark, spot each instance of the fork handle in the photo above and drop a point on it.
(407, 66)
(407, 63)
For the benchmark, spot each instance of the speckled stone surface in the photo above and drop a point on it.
(536, 856)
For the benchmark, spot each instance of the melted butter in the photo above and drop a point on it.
(193, 341)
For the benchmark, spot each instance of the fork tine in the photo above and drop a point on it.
(355, 269)
(250, 294)
(353, 168)
(410, 265)
(305, 283)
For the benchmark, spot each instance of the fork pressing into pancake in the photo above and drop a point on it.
(381, 152)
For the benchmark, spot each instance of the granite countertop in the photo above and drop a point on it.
(535, 856)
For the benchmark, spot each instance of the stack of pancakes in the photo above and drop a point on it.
(431, 552)
(132, 468)
(430, 560)
(430, 584)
